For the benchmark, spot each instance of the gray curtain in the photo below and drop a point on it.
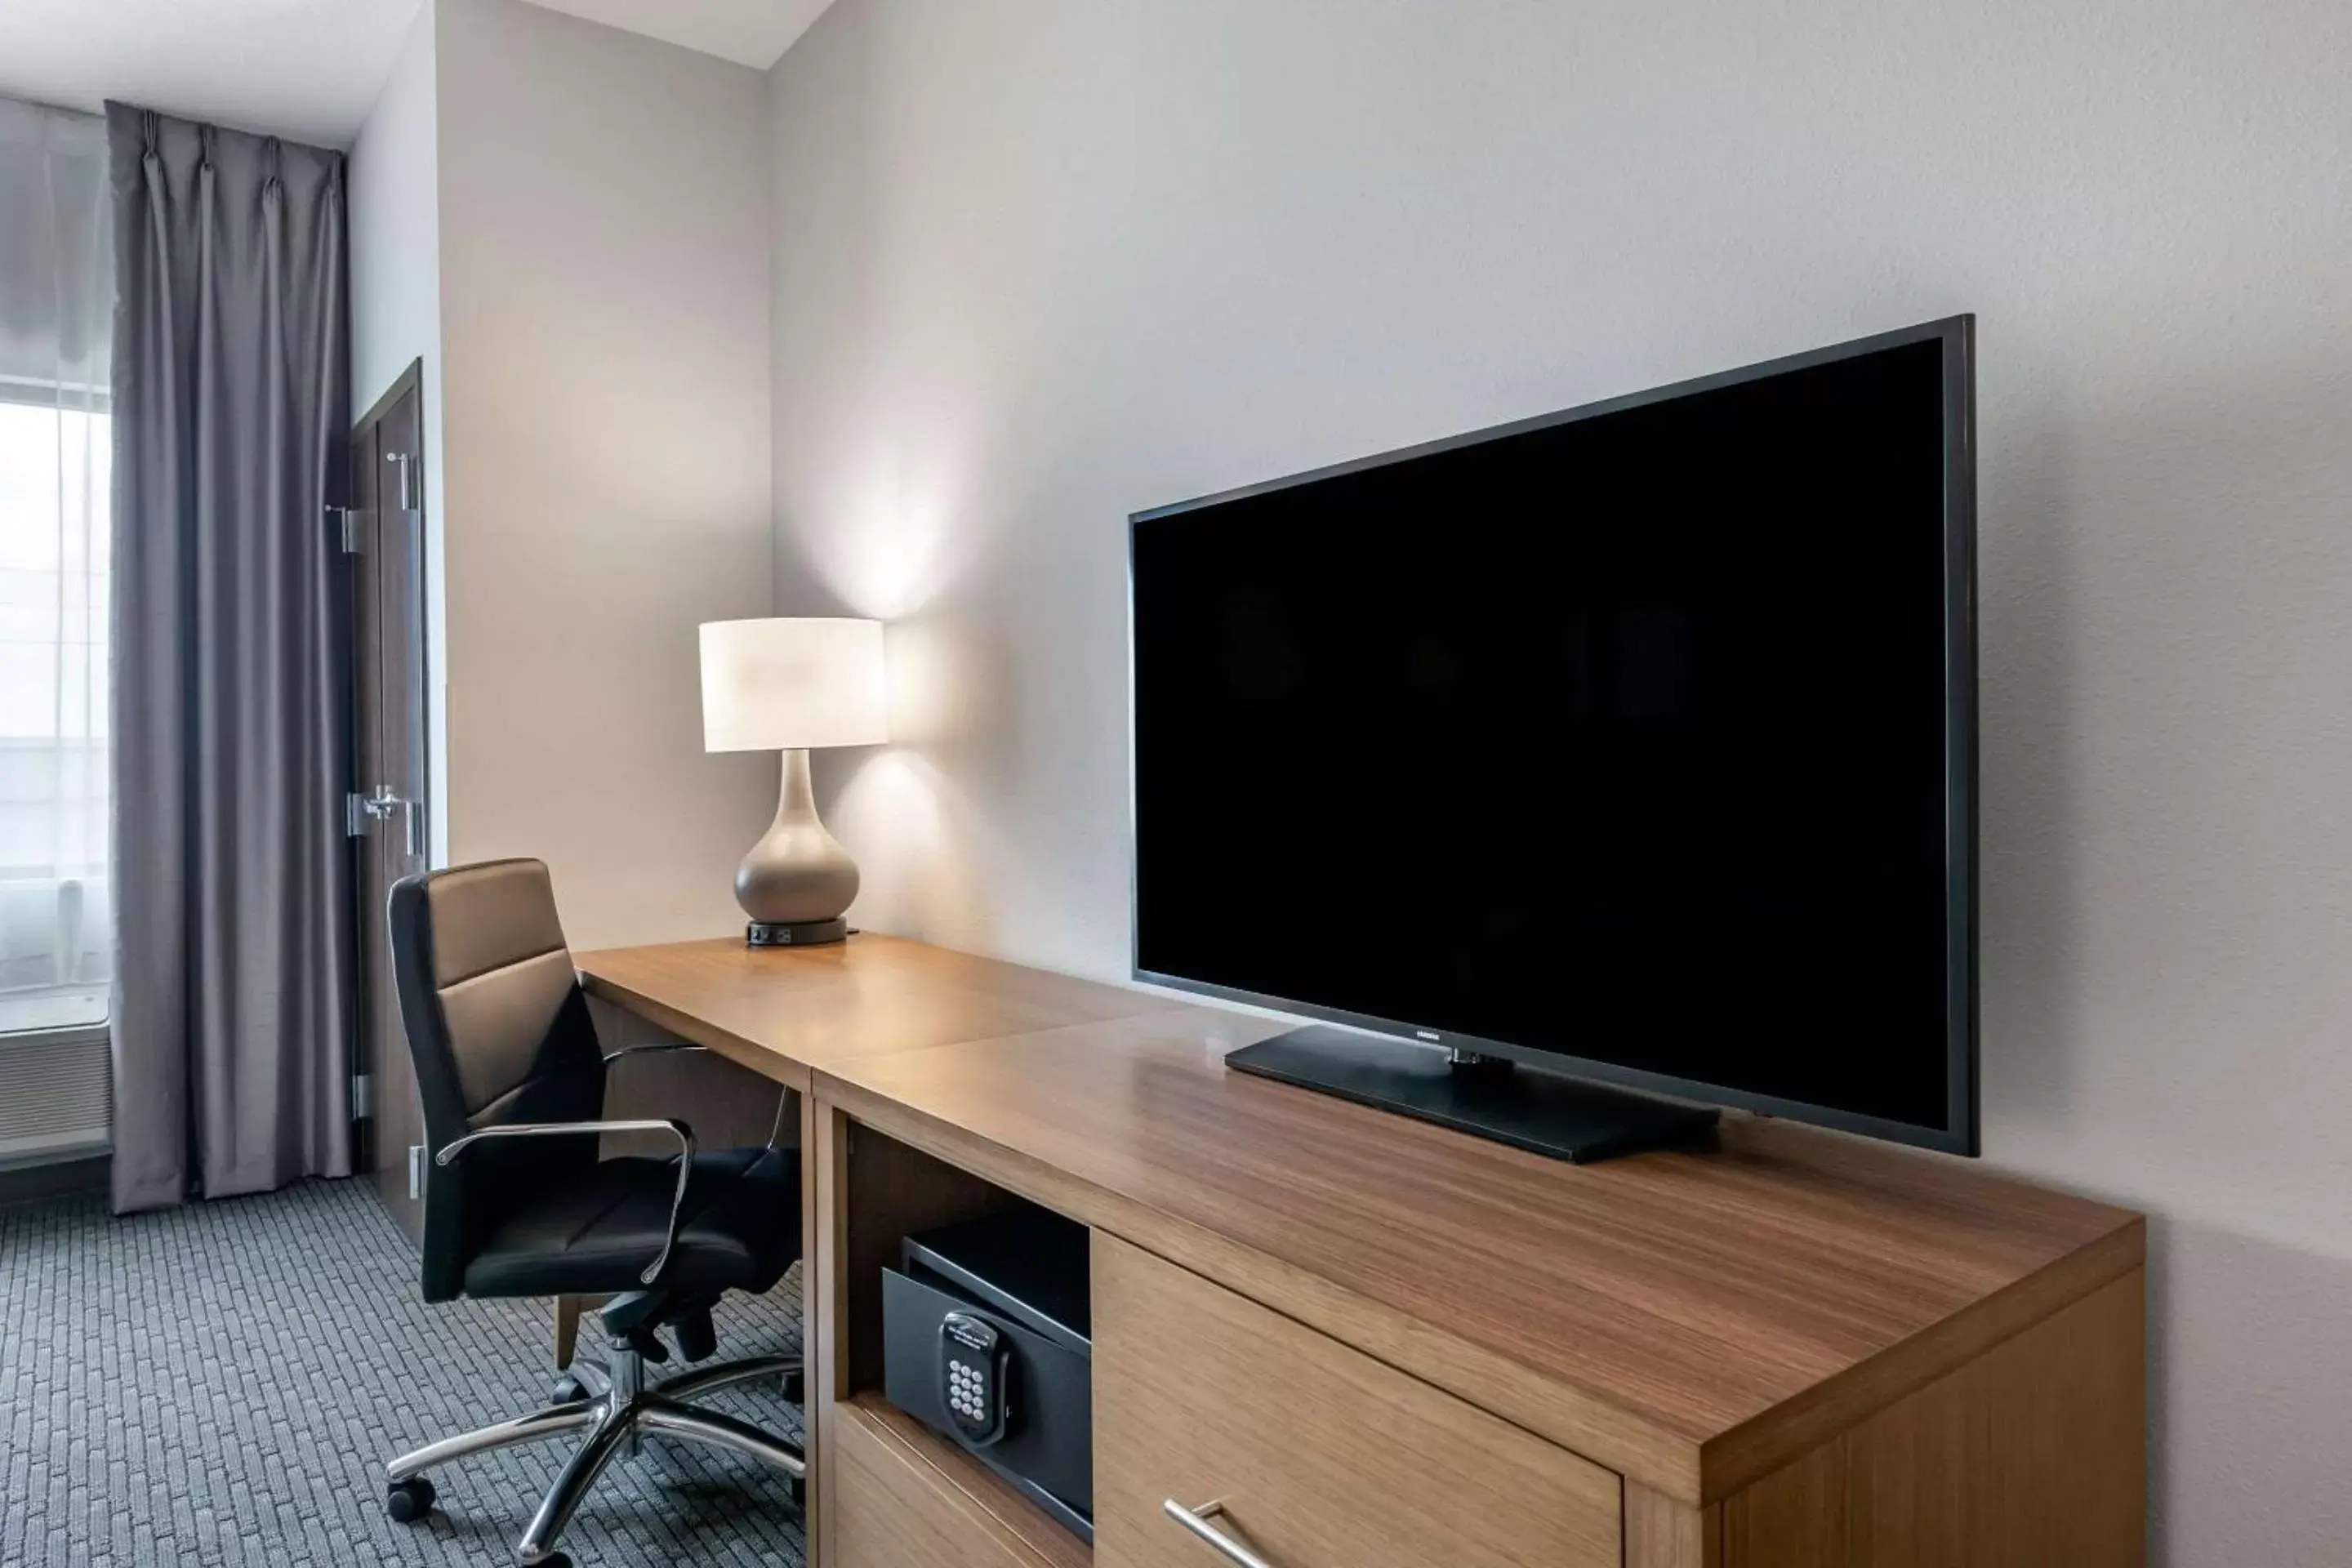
(235, 982)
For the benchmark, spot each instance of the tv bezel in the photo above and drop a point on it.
(1960, 1133)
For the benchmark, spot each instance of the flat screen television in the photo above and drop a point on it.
(1636, 742)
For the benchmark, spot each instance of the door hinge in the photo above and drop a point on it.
(415, 1171)
(352, 526)
(363, 1097)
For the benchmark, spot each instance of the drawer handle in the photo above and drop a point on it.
(1196, 1520)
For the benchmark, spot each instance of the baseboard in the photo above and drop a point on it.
(24, 1183)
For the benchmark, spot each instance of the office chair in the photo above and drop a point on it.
(517, 1204)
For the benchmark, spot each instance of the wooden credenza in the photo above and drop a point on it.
(1342, 1339)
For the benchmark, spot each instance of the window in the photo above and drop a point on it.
(56, 301)
(56, 920)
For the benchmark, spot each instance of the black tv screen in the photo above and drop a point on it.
(1636, 741)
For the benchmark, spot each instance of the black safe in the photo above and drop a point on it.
(987, 1339)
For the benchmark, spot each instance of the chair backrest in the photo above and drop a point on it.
(499, 1032)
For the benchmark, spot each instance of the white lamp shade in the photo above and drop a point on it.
(785, 685)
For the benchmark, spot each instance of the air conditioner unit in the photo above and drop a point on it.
(56, 1096)
(55, 1086)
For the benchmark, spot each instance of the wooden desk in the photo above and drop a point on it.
(787, 1013)
(1794, 1348)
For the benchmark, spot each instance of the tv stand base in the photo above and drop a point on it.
(1490, 1096)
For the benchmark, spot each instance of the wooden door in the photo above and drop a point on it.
(385, 531)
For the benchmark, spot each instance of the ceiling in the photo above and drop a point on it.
(748, 32)
(309, 69)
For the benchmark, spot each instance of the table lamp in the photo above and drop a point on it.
(788, 685)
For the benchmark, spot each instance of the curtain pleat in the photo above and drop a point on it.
(234, 1013)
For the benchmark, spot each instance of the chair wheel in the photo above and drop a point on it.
(408, 1502)
(568, 1388)
(797, 1487)
(555, 1559)
(795, 1388)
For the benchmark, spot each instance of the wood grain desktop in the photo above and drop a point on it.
(1792, 1346)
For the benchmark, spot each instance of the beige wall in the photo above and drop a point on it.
(1039, 263)
(605, 310)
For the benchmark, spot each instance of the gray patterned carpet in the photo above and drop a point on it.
(221, 1383)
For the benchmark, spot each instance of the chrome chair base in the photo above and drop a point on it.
(619, 1407)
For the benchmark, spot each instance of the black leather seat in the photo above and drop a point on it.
(511, 1077)
(579, 1239)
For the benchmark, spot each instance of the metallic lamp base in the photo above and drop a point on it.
(794, 933)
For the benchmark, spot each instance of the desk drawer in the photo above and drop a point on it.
(1322, 1457)
(890, 1509)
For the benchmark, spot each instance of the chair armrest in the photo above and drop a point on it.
(775, 1128)
(679, 1129)
(652, 1046)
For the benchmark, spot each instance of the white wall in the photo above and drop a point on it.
(393, 185)
(393, 214)
(1039, 263)
(605, 310)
